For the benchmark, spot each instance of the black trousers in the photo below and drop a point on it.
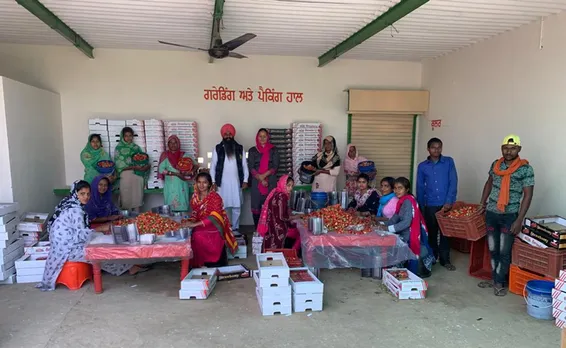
(440, 246)
(256, 220)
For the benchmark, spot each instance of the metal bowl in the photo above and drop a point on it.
(162, 210)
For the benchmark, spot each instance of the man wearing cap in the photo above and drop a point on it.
(229, 172)
(510, 178)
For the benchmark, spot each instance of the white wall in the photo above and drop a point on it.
(6, 193)
(500, 86)
(33, 123)
(169, 85)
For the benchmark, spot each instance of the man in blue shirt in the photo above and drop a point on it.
(437, 187)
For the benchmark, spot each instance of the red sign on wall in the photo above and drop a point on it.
(265, 95)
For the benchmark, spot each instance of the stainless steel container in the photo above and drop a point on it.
(162, 210)
(317, 225)
(310, 223)
(127, 234)
(333, 198)
(344, 199)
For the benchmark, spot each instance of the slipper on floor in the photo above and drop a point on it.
(140, 270)
(449, 267)
(485, 284)
(500, 292)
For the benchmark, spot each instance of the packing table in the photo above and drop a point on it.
(137, 253)
(335, 250)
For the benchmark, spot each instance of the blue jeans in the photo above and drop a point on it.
(500, 242)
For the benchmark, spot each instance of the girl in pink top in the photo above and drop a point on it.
(388, 200)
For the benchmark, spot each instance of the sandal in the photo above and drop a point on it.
(450, 267)
(499, 290)
(486, 285)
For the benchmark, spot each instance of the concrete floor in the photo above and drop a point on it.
(144, 311)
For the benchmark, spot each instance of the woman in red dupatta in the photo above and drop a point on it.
(275, 221)
(211, 227)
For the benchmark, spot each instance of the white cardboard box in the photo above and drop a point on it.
(10, 226)
(307, 302)
(29, 278)
(14, 245)
(412, 283)
(194, 294)
(8, 273)
(33, 222)
(309, 287)
(8, 237)
(200, 279)
(271, 292)
(4, 219)
(412, 294)
(97, 121)
(39, 247)
(272, 266)
(32, 261)
(273, 308)
(6, 208)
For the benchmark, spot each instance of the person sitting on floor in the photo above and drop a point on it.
(366, 199)
(69, 232)
(409, 224)
(211, 227)
(275, 221)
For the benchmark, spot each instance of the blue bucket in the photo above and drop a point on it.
(319, 200)
(539, 299)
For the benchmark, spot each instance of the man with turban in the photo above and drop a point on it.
(229, 172)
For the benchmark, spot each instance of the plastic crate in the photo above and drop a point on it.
(461, 245)
(548, 262)
(467, 227)
(480, 260)
(290, 256)
(518, 279)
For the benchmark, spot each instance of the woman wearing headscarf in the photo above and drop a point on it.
(92, 153)
(100, 208)
(275, 221)
(327, 163)
(263, 161)
(351, 168)
(69, 233)
(366, 199)
(131, 184)
(176, 188)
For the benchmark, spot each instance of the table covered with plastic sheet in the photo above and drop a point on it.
(335, 250)
(137, 254)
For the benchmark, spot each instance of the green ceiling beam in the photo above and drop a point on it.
(395, 13)
(37, 9)
(216, 19)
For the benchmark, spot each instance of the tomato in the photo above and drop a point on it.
(155, 223)
(344, 222)
(462, 212)
(301, 276)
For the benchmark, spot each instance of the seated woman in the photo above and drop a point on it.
(69, 233)
(176, 188)
(92, 153)
(366, 199)
(388, 200)
(275, 220)
(211, 227)
(131, 184)
(409, 224)
(100, 208)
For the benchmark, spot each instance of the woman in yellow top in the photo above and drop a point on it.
(92, 153)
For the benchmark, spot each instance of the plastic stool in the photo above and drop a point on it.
(74, 274)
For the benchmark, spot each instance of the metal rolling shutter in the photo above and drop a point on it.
(385, 139)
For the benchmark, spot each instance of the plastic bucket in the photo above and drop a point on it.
(538, 295)
(319, 200)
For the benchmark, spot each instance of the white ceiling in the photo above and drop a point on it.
(288, 27)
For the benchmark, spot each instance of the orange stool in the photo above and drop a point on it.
(74, 274)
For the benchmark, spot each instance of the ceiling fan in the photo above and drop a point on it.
(220, 50)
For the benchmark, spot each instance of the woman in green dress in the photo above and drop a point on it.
(92, 153)
(176, 188)
(130, 181)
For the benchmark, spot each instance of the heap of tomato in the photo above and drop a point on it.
(123, 222)
(155, 223)
(106, 164)
(344, 222)
(185, 164)
(301, 276)
(462, 212)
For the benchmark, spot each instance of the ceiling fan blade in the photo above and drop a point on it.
(178, 45)
(239, 41)
(236, 55)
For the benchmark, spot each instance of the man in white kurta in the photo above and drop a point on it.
(233, 176)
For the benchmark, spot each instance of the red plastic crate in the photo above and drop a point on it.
(548, 262)
(480, 260)
(518, 279)
(461, 245)
(290, 256)
(466, 227)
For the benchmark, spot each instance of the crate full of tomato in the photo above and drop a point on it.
(464, 221)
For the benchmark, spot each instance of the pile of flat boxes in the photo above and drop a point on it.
(198, 284)
(283, 290)
(307, 138)
(155, 142)
(11, 245)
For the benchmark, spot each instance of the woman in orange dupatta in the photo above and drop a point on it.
(211, 227)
